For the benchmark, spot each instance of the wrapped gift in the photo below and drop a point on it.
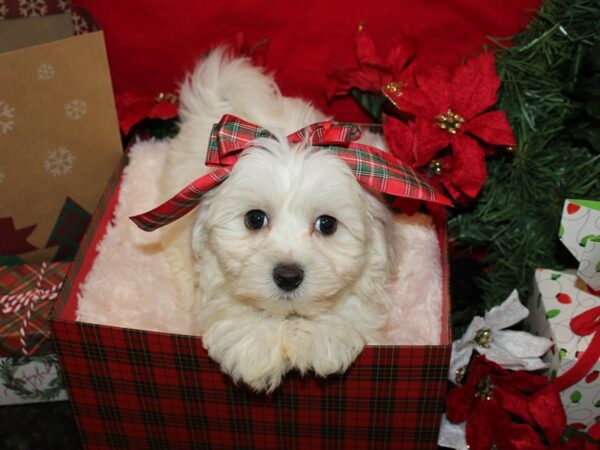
(13, 9)
(560, 298)
(31, 379)
(135, 388)
(27, 294)
(29, 370)
(580, 233)
(58, 126)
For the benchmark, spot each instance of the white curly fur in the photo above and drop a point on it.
(254, 329)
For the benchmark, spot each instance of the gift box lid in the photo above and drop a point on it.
(562, 297)
(580, 234)
(27, 294)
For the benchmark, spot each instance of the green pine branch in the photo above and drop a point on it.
(516, 219)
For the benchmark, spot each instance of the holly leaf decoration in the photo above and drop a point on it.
(14, 241)
(371, 102)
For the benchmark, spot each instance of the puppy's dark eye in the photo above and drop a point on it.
(256, 219)
(326, 225)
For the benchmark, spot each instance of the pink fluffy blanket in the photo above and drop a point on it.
(130, 286)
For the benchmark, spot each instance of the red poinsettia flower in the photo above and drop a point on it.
(505, 408)
(450, 110)
(372, 72)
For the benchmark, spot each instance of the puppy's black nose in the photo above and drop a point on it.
(288, 276)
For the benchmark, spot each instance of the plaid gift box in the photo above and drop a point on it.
(147, 390)
(29, 371)
(27, 292)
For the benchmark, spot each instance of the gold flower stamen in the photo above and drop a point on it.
(485, 388)
(450, 121)
(484, 337)
(435, 167)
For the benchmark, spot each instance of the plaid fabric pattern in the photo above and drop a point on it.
(373, 168)
(17, 327)
(68, 230)
(142, 390)
(133, 389)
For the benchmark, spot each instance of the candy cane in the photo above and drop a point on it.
(12, 303)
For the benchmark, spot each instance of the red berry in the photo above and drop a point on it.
(592, 376)
(572, 208)
(563, 298)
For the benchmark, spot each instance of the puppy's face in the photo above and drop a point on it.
(289, 230)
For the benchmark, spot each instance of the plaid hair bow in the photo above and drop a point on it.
(373, 168)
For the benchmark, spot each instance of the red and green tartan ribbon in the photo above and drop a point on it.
(373, 168)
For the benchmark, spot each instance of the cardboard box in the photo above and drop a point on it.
(58, 133)
(558, 297)
(29, 370)
(141, 389)
(60, 142)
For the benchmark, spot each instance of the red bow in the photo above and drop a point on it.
(373, 168)
(584, 324)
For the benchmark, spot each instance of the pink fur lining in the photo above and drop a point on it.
(129, 284)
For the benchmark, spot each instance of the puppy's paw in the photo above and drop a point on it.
(328, 346)
(249, 352)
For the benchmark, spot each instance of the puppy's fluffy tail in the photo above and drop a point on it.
(223, 84)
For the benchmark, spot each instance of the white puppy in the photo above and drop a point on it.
(285, 263)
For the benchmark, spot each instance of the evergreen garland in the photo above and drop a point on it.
(550, 93)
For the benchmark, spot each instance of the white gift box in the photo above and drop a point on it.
(558, 297)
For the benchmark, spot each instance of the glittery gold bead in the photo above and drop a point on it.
(485, 388)
(168, 96)
(394, 87)
(435, 167)
(450, 121)
(459, 375)
(484, 337)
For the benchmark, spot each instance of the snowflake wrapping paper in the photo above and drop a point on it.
(559, 297)
(14, 9)
(580, 233)
(59, 137)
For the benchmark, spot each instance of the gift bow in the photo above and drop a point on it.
(373, 168)
(13, 303)
(584, 324)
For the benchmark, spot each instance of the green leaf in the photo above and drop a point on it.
(371, 102)
(575, 396)
(555, 276)
(593, 237)
(552, 313)
(561, 354)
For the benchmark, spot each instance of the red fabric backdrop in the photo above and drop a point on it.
(152, 43)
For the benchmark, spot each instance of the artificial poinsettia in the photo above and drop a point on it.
(450, 111)
(373, 72)
(506, 409)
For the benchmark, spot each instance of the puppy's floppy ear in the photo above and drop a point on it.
(199, 231)
(383, 222)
